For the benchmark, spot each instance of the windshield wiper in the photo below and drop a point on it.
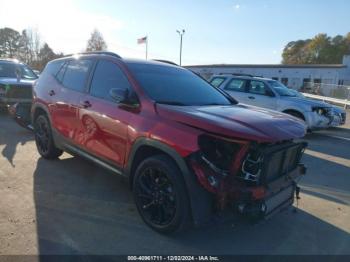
(174, 103)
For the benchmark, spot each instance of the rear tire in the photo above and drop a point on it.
(44, 140)
(160, 195)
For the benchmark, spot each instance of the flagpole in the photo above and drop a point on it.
(146, 46)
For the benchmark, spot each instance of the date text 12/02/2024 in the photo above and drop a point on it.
(173, 258)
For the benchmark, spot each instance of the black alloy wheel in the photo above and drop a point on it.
(160, 195)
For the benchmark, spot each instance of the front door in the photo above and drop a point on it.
(260, 95)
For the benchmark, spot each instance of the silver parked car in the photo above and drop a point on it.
(272, 94)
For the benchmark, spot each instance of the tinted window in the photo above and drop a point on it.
(236, 85)
(257, 87)
(76, 74)
(11, 70)
(217, 81)
(60, 74)
(281, 89)
(53, 67)
(176, 85)
(107, 75)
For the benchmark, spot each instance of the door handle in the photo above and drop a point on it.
(251, 97)
(86, 104)
(52, 93)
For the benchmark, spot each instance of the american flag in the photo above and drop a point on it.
(142, 40)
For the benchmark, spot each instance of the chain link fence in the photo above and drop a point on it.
(329, 90)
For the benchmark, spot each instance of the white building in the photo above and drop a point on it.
(294, 76)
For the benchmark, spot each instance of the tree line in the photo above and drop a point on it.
(321, 49)
(27, 46)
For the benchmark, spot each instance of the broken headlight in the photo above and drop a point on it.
(216, 159)
(217, 152)
(321, 110)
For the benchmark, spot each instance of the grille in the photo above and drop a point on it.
(280, 160)
(19, 92)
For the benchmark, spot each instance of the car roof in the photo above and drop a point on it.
(125, 60)
(10, 61)
(249, 77)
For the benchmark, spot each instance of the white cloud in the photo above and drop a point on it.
(237, 6)
(61, 24)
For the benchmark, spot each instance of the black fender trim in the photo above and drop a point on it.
(37, 106)
(201, 201)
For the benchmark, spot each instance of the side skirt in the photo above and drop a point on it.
(74, 150)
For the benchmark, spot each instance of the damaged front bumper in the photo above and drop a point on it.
(260, 180)
(325, 118)
(278, 195)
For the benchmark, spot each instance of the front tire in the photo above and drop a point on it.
(43, 138)
(160, 195)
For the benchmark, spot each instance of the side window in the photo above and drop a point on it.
(257, 87)
(53, 67)
(76, 73)
(60, 74)
(236, 85)
(217, 81)
(107, 75)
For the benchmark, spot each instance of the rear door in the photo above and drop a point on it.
(103, 123)
(236, 88)
(72, 77)
(259, 94)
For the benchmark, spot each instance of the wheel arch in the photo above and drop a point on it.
(38, 109)
(293, 110)
(200, 199)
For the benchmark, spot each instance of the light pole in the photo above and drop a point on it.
(181, 33)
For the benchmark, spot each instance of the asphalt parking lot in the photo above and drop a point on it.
(71, 206)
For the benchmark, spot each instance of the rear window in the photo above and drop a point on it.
(76, 74)
(217, 81)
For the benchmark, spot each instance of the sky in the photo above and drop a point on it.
(221, 31)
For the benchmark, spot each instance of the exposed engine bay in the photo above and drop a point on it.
(243, 174)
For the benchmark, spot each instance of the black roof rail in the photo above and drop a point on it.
(96, 53)
(165, 61)
(237, 74)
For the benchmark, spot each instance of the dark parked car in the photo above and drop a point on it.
(16, 82)
(188, 149)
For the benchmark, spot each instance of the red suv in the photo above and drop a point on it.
(189, 150)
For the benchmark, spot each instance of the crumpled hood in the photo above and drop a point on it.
(237, 121)
(307, 101)
(13, 81)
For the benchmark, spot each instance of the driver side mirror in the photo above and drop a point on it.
(123, 96)
(119, 95)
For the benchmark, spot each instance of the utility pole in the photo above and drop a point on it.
(181, 33)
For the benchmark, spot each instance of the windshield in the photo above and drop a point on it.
(282, 90)
(9, 70)
(176, 86)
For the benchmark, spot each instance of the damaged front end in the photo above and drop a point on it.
(252, 179)
(324, 117)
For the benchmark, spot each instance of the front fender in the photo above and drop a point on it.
(201, 201)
